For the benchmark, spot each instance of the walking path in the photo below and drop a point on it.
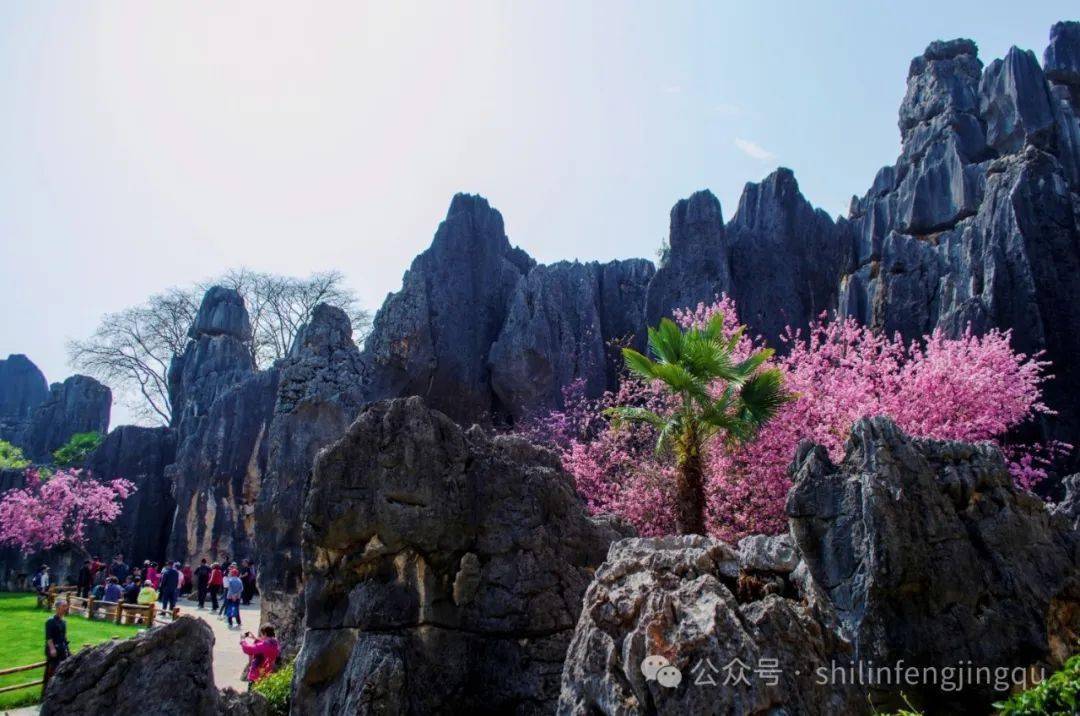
(229, 660)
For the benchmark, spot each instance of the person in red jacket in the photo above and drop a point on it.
(263, 651)
(217, 579)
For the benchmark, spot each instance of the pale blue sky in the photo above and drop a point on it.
(150, 144)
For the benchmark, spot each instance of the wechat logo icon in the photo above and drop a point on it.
(658, 668)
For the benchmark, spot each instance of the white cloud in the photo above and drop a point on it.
(673, 89)
(753, 149)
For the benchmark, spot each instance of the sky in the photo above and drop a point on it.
(147, 145)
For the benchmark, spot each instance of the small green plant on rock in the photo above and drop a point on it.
(11, 457)
(276, 688)
(75, 451)
(1058, 695)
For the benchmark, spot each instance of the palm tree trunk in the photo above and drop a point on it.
(690, 493)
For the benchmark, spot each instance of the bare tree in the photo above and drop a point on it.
(131, 349)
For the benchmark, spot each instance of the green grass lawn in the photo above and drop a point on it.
(22, 626)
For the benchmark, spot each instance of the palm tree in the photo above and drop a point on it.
(715, 396)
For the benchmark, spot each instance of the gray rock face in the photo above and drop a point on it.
(78, 405)
(779, 258)
(443, 569)
(170, 667)
(1069, 506)
(978, 227)
(567, 321)
(433, 337)
(685, 599)
(319, 393)
(1014, 102)
(220, 463)
(930, 555)
(1062, 55)
(222, 313)
(697, 267)
(22, 388)
(216, 358)
(140, 455)
(221, 413)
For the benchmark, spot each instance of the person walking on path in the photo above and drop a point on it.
(189, 580)
(202, 582)
(169, 587)
(247, 576)
(234, 589)
(85, 580)
(56, 643)
(217, 581)
(263, 653)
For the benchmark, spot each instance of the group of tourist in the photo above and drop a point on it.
(234, 582)
(118, 582)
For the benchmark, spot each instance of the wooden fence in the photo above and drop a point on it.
(18, 669)
(116, 612)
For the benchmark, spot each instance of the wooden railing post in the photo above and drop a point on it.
(90, 607)
(153, 612)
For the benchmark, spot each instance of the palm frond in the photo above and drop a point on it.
(666, 341)
(763, 394)
(639, 364)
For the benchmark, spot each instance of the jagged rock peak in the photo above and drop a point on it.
(1014, 102)
(22, 387)
(328, 329)
(945, 78)
(1062, 56)
(779, 189)
(222, 312)
(694, 219)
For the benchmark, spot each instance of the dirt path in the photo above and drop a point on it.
(229, 660)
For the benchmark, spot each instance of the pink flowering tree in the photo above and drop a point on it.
(971, 388)
(57, 511)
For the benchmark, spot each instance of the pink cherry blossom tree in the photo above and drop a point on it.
(971, 388)
(57, 510)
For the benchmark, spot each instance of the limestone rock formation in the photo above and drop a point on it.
(168, 670)
(697, 266)
(566, 322)
(1069, 507)
(140, 455)
(221, 413)
(733, 625)
(433, 337)
(779, 258)
(319, 394)
(978, 222)
(78, 405)
(22, 388)
(930, 555)
(216, 358)
(443, 569)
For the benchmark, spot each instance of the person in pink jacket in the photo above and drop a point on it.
(263, 651)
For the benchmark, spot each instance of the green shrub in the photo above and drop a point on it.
(277, 688)
(11, 457)
(77, 449)
(1057, 696)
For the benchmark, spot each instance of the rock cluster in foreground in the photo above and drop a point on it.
(913, 552)
(167, 670)
(443, 569)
